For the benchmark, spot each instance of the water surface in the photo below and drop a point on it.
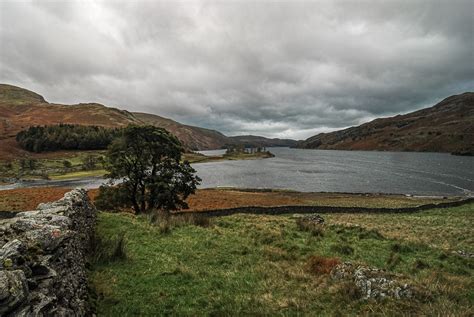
(347, 171)
(330, 171)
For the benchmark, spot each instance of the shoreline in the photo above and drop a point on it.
(203, 200)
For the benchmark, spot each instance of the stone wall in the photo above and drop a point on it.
(301, 209)
(43, 258)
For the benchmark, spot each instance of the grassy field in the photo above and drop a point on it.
(80, 174)
(259, 265)
(52, 164)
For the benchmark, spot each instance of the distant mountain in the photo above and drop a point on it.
(446, 127)
(195, 138)
(21, 108)
(252, 140)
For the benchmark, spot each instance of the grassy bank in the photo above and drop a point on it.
(70, 163)
(259, 265)
(53, 167)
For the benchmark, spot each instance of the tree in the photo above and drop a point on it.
(89, 162)
(67, 164)
(147, 160)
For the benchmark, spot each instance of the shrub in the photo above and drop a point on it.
(320, 265)
(112, 198)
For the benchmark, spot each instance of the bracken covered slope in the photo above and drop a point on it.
(446, 127)
(21, 108)
(195, 138)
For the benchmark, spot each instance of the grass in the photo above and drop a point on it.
(79, 174)
(265, 265)
(201, 158)
(52, 166)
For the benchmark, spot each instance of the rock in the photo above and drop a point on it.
(372, 282)
(11, 252)
(42, 258)
(312, 218)
(13, 290)
(48, 237)
(317, 219)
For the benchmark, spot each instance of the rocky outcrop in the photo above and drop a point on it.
(372, 282)
(43, 258)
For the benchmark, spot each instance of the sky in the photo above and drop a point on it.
(287, 69)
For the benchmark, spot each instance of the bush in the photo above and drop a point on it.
(89, 162)
(320, 265)
(112, 198)
(67, 164)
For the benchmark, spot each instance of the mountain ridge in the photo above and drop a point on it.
(21, 108)
(448, 126)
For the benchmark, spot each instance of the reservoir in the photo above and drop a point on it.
(346, 171)
(329, 171)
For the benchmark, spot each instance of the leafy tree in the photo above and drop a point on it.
(66, 137)
(89, 162)
(147, 160)
(67, 164)
(28, 164)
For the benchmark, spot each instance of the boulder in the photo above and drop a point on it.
(13, 290)
(372, 282)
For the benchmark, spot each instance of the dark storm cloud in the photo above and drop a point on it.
(285, 69)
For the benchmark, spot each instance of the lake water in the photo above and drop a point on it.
(332, 171)
(347, 171)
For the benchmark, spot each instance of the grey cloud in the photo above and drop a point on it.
(285, 69)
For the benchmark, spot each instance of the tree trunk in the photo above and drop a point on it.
(142, 199)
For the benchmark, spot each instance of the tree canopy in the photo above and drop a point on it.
(66, 137)
(147, 161)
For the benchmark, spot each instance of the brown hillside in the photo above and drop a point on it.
(21, 108)
(446, 127)
(194, 138)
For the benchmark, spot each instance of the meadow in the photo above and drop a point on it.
(265, 265)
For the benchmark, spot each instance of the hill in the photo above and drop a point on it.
(21, 108)
(446, 127)
(253, 140)
(195, 138)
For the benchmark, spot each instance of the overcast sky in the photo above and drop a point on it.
(278, 69)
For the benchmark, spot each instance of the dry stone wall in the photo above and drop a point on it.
(43, 258)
